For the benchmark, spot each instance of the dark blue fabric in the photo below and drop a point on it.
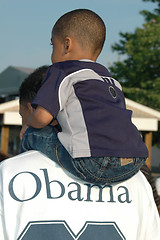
(108, 122)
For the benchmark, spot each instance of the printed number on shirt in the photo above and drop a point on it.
(60, 230)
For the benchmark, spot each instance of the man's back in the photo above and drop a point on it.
(40, 201)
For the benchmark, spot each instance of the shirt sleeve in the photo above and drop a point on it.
(2, 222)
(147, 173)
(48, 94)
(153, 228)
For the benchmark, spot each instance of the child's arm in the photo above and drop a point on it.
(39, 118)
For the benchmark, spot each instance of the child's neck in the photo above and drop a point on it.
(82, 57)
(86, 59)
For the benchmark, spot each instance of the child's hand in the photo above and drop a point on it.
(54, 123)
(23, 130)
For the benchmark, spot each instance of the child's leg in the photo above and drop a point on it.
(38, 139)
(92, 169)
(46, 141)
(108, 169)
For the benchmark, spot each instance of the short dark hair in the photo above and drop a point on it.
(31, 85)
(84, 25)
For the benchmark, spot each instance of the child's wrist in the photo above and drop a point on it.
(53, 122)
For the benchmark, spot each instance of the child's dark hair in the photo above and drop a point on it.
(84, 25)
(31, 85)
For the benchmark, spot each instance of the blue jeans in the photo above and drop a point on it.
(98, 170)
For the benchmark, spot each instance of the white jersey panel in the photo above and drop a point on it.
(74, 135)
(67, 83)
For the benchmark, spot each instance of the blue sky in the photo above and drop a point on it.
(25, 27)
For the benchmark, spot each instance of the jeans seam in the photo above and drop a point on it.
(56, 154)
(73, 163)
(118, 178)
(23, 145)
(87, 171)
(124, 175)
(59, 162)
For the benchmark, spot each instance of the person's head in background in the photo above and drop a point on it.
(28, 91)
(79, 34)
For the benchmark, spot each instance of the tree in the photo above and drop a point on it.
(155, 16)
(139, 72)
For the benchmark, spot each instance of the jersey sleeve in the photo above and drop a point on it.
(47, 96)
(2, 223)
(152, 229)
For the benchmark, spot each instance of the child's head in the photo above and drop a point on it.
(78, 34)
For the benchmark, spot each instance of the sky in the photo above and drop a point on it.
(25, 27)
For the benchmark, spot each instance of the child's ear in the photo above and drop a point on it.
(67, 44)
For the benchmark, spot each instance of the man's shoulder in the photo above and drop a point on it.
(139, 185)
(20, 159)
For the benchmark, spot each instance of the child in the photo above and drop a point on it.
(102, 143)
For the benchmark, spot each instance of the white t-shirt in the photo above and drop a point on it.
(157, 183)
(41, 201)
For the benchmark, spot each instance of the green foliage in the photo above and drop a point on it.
(146, 97)
(142, 50)
(139, 72)
(152, 17)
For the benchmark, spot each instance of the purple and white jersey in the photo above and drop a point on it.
(90, 107)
